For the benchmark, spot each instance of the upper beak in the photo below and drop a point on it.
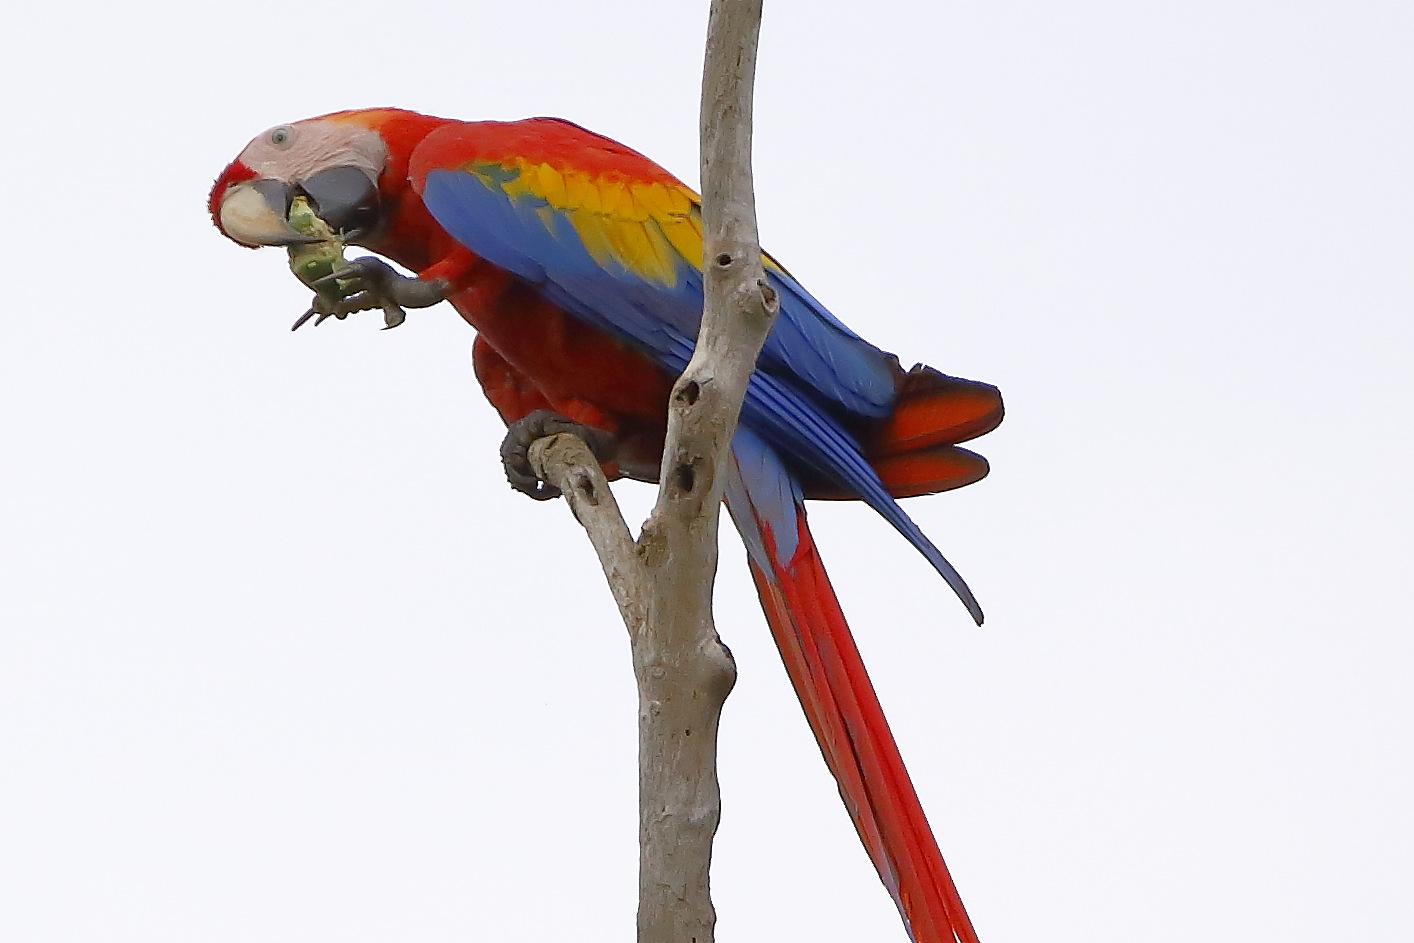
(255, 213)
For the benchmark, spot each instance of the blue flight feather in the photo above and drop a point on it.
(529, 237)
(810, 363)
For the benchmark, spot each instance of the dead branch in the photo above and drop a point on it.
(663, 581)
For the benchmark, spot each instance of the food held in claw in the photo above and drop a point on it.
(313, 261)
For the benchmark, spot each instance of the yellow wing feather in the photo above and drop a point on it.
(648, 229)
(551, 185)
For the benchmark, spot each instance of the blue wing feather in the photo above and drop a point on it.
(810, 366)
(530, 238)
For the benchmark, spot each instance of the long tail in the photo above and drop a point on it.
(830, 679)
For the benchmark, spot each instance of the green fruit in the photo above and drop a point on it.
(313, 261)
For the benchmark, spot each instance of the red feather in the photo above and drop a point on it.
(531, 354)
(839, 700)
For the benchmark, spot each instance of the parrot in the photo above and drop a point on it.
(579, 263)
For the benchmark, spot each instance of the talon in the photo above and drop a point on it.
(515, 457)
(329, 283)
(368, 283)
(346, 274)
(301, 319)
(392, 315)
(515, 449)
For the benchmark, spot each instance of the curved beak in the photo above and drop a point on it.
(255, 213)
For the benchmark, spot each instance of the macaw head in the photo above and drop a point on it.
(335, 162)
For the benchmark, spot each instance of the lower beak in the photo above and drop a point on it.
(256, 213)
(344, 198)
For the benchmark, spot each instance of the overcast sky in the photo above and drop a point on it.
(283, 659)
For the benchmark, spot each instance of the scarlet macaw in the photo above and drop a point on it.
(579, 263)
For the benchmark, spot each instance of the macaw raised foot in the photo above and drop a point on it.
(368, 283)
(579, 262)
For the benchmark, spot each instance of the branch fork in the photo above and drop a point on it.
(662, 581)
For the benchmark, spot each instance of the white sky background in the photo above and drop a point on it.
(283, 659)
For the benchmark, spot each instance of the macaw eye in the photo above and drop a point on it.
(281, 136)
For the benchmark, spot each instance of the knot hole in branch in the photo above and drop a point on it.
(684, 477)
(689, 392)
(768, 295)
(724, 259)
(585, 486)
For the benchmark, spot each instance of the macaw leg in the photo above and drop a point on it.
(369, 283)
(515, 449)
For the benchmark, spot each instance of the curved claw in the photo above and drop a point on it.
(379, 278)
(515, 455)
(515, 449)
(323, 312)
(331, 281)
(369, 283)
(392, 315)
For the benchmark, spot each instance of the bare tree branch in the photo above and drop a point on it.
(663, 582)
(566, 462)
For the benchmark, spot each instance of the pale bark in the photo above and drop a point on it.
(663, 581)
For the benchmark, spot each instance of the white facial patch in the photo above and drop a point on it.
(293, 152)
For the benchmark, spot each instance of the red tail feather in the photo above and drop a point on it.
(910, 474)
(929, 471)
(935, 409)
(834, 688)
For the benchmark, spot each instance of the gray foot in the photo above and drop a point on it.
(368, 283)
(515, 449)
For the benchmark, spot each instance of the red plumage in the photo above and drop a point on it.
(536, 350)
(839, 701)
